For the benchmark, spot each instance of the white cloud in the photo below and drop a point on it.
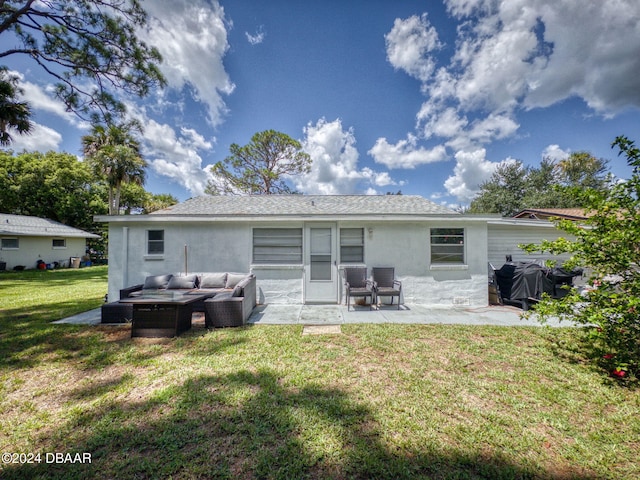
(555, 153)
(256, 39)
(43, 99)
(534, 53)
(405, 153)
(445, 123)
(472, 169)
(40, 138)
(408, 44)
(177, 156)
(192, 38)
(509, 57)
(335, 162)
(595, 55)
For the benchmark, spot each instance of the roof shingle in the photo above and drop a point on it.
(269, 205)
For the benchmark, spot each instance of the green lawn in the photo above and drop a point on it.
(377, 401)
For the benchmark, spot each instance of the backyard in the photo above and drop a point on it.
(377, 401)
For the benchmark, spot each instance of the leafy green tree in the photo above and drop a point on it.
(114, 154)
(609, 246)
(50, 185)
(89, 47)
(514, 187)
(14, 114)
(158, 201)
(583, 170)
(135, 199)
(260, 167)
(503, 192)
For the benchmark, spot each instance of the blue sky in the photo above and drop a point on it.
(426, 97)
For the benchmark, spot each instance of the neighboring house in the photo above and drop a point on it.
(576, 214)
(532, 225)
(25, 240)
(505, 234)
(298, 245)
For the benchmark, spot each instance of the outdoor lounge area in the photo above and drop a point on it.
(163, 306)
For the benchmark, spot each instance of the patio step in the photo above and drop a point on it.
(321, 330)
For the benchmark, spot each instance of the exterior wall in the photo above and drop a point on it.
(32, 249)
(211, 247)
(406, 247)
(227, 246)
(504, 240)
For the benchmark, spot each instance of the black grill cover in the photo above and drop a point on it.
(522, 280)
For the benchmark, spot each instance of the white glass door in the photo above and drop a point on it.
(321, 273)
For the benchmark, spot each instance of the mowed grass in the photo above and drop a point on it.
(377, 401)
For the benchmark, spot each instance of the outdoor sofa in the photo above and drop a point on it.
(229, 301)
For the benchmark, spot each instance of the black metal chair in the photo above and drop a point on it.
(385, 283)
(357, 284)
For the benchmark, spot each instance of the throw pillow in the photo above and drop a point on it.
(187, 282)
(213, 280)
(238, 290)
(234, 278)
(155, 282)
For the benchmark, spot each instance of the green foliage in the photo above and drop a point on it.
(261, 167)
(114, 154)
(14, 114)
(135, 199)
(609, 246)
(51, 185)
(89, 47)
(379, 401)
(514, 187)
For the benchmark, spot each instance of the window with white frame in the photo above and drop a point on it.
(59, 243)
(155, 242)
(10, 243)
(447, 245)
(351, 245)
(277, 246)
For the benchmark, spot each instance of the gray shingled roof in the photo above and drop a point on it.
(267, 205)
(24, 226)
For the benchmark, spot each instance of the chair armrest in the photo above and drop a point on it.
(126, 292)
(397, 282)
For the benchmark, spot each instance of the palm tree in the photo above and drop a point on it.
(13, 114)
(115, 154)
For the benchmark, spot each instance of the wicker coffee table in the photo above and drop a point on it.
(162, 314)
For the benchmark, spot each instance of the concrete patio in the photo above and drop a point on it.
(338, 315)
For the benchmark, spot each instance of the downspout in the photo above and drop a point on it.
(125, 257)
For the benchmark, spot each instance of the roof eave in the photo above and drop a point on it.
(201, 218)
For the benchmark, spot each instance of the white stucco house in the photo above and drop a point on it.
(297, 245)
(24, 240)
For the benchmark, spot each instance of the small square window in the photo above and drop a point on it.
(352, 245)
(155, 242)
(59, 243)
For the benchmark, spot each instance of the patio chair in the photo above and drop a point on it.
(357, 284)
(385, 283)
